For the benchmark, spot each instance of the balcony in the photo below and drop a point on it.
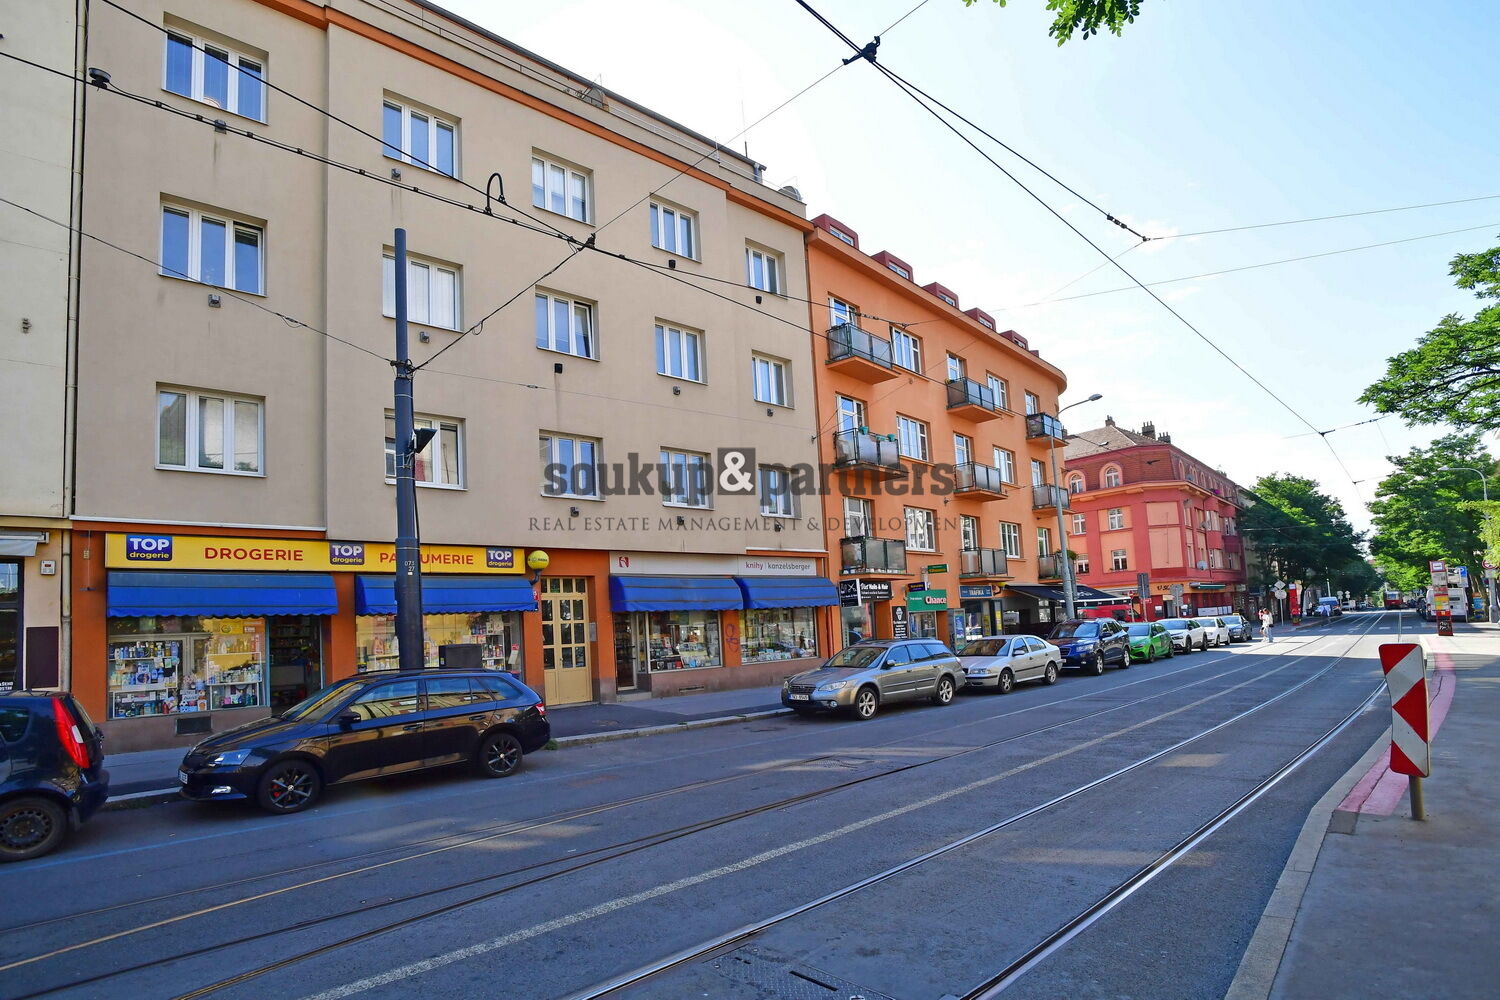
(980, 481)
(1046, 428)
(983, 564)
(859, 354)
(972, 400)
(1049, 568)
(870, 556)
(1046, 497)
(877, 457)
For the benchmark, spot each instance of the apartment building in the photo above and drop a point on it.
(236, 452)
(937, 425)
(1142, 505)
(38, 151)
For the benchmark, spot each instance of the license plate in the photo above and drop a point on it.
(799, 697)
(182, 777)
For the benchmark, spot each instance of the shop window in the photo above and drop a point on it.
(10, 625)
(682, 640)
(778, 634)
(498, 633)
(172, 665)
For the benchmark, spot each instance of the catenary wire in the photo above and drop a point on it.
(1326, 218)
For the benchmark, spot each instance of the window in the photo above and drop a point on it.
(856, 517)
(1005, 461)
(1075, 483)
(684, 479)
(770, 376)
(209, 432)
(1038, 472)
(840, 234)
(417, 137)
(448, 692)
(778, 633)
(1080, 524)
(1229, 526)
(851, 414)
(441, 462)
(562, 189)
(968, 530)
(215, 250)
(963, 449)
(679, 352)
(386, 701)
(906, 350)
(1116, 517)
(431, 292)
(921, 529)
(1010, 539)
(899, 270)
(1001, 390)
(204, 71)
(674, 230)
(955, 367)
(1117, 560)
(763, 270)
(1044, 541)
(776, 499)
(1111, 476)
(1081, 564)
(1216, 558)
(840, 312)
(1033, 404)
(987, 324)
(570, 466)
(948, 299)
(565, 325)
(911, 438)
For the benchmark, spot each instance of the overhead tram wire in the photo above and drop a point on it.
(913, 93)
(1326, 218)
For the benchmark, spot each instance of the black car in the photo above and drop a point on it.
(1239, 628)
(371, 726)
(52, 775)
(1090, 643)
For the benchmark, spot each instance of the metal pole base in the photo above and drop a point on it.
(1418, 806)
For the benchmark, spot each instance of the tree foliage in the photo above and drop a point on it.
(1421, 512)
(1305, 533)
(1087, 16)
(1453, 374)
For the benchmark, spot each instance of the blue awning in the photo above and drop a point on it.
(674, 593)
(787, 591)
(446, 595)
(134, 593)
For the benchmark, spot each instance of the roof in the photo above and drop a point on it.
(1106, 439)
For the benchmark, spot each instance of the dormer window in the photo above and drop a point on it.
(900, 270)
(836, 231)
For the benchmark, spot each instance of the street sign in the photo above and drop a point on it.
(1437, 566)
(898, 622)
(938, 568)
(1280, 584)
(1405, 669)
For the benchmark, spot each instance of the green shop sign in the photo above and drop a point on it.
(927, 600)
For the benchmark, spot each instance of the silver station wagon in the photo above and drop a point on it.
(860, 678)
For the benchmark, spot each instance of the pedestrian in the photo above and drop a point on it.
(1265, 625)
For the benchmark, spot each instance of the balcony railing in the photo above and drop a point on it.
(868, 554)
(1046, 497)
(983, 563)
(1044, 425)
(974, 478)
(848, 341)
(859, 449)
(1049, 568)
(972, 398)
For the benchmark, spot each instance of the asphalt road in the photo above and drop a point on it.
(596, 861)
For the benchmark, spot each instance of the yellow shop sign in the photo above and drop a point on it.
(151, 551)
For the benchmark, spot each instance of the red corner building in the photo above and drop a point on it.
(1141, 505)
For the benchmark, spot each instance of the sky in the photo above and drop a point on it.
(1200, 116)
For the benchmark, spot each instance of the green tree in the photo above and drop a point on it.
(1086, 15)
(1305, 532)
(1421, 512)
(1453, 374)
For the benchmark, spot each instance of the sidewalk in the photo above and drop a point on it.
(1373, 903)
(148, 772)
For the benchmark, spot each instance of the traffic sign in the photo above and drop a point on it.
(1406, 680)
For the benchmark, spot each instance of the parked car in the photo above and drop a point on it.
(859, 679)
(1239, 627)
(1148, 640)
(1216, 631)
(1187, 635)
(1090, 643)
(371, 726)
(1000, 661)
(52, 776)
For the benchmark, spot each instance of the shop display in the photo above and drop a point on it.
(778, 634)
(175, 665)
(143, 677)
(499, 633)
(682, 640)
(296, 659)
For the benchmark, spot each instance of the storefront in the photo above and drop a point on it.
(922, 607)
(1038, 608)
(982, 612)
(859, 601)
(476, 610)
(30, 602)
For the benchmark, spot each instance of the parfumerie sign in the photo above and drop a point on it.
(152, 551)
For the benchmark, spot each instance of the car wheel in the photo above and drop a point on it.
(290, 786)
(1205, 644)
(945, 691)
(1124, 659)
(499, 755)
(1171, 651)
(866, 703)
(1151, 654)
(1096, 665)
(30, 827)
(1007, 682)
(1050, 677)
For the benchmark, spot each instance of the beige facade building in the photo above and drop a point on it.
(234, 500)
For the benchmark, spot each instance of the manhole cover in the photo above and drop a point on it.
(777, 977)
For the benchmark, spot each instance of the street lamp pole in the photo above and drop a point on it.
(1489, 576)
(1070, 586)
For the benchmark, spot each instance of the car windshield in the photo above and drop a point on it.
(1069, 630)
(1234, 620)
(1177, 623)
(317, 703)
(1139, 628)
(1207, 622)
(855, 656)
(985, 647)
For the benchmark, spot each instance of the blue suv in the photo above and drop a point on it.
(52, 775)
(1090, 643)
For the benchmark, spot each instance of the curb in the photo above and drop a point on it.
(151, 797)
(1262, 959)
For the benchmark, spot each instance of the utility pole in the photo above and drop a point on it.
(408, 545)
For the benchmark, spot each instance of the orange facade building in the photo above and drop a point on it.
(941, 511)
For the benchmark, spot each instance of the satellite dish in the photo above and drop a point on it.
(1202, 564)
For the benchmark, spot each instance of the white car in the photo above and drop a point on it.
(1216, 630)
(1187, 635)
(999, 661)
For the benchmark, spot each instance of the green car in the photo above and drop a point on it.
(1148, 640)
